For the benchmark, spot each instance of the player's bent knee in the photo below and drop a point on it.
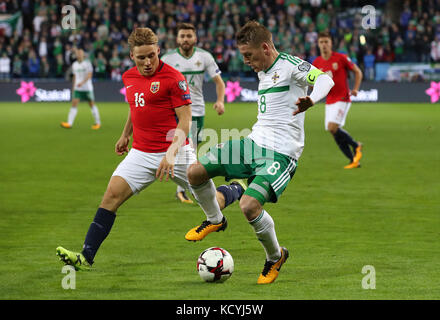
(332, 127)
(250, 207)
(197, 174)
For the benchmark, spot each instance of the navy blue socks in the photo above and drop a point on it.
(231, 192)
(344, 141)
(98, 231)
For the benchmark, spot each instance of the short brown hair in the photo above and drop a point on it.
(324, 34)
(253, 33)
(185, 26)
(142, 36)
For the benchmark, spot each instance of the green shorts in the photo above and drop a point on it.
(83, 95)
(196, 130)
(268, 172)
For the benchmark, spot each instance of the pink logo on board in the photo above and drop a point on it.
(434, 91)
(233, 90)
(26, 91)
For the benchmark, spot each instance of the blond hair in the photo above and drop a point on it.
(253, 33)
(142, 36)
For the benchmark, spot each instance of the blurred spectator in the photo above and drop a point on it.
(311, 35)
(42, 47)
(59, 67)
(369, 60)
(100, 66)
(398, 49)
(5, 66)
(44, 68)
(380, 54)
(17, 67)
(425, 50)
(33, 64)
(405, 16)
(435, 49)
(322, 20)
(115, 65)
(313, 54)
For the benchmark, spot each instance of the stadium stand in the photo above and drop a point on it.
(33, 43)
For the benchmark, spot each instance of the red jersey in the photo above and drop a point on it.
(336, 67)
(152, 102)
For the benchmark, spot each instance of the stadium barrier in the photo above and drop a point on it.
(109, 91)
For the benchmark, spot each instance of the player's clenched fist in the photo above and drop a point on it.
(122, 145)
(303, 104)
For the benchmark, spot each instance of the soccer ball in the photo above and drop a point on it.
(215, 265)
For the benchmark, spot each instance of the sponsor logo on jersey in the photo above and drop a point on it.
(155, 86)
(183, 86)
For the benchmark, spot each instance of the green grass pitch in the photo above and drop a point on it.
(334, 221)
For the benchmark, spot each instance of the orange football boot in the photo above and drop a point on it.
(200, 232)
(272, 269)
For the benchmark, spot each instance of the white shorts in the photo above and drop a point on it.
(336, 113)
(138, 168)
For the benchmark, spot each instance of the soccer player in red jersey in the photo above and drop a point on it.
(338, 102)
(159, 120)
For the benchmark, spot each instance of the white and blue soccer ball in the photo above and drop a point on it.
(215, 265)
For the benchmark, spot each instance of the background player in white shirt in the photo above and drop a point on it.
(194, 63)
(82, 89)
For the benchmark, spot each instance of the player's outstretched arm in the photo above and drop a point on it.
(357, 80)
(321, 88)
(122, 144)
(219, 105)
(166, 166)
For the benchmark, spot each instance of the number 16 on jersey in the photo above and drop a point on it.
(139, 99)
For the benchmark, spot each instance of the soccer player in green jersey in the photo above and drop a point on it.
(268, 157)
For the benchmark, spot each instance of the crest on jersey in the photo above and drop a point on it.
(198, 63)
(155, 86)
(335, 66)
(275, 77)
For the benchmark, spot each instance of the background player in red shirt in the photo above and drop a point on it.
(338, 102)
(159, 120)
